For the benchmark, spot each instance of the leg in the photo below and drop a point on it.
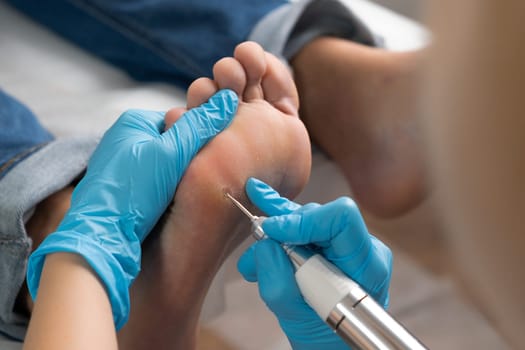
(356, 101)
(266, 140)
(476, 130)
(358, 104)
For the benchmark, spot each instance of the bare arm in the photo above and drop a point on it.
(476, 129)
(72, 310)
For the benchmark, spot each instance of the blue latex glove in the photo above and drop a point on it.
(337, 229)
(130, 180)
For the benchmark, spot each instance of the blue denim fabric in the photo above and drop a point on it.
(165, 40)
(20, 133)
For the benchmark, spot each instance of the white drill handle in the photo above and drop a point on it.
(323, 285)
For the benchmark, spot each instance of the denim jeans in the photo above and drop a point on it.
(20, 133)
(32, 166)
(175, 41)
(163, 40)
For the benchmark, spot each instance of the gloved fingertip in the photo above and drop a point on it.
(246, 265)
(253, 183)
(226, 102)
(257, 190)
(272, 226)
(285, 229)
(138, 121)
(199, 125)
(268, 199)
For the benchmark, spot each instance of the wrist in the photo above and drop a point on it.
(116, 269)
(45, 220)
(72, 306)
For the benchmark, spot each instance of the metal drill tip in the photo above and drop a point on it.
(241, 207)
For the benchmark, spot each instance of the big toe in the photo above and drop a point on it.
(252, 58)
(278, 86)
(267, 78)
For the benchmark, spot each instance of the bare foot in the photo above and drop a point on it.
(358, 104)
(266, 140)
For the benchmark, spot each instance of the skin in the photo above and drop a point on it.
(475, 129)
(44, 221)
(59, 320)
(266, 140)
(359, 107)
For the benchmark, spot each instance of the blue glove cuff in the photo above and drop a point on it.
(116, 272)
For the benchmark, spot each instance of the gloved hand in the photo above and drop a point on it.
(337, 229)
(130, 180)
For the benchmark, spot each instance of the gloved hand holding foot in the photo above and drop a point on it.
(338, 230)
(130, 180)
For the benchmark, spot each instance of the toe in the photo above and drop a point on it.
(252, 58)
(229, 74)
(200, 91)
(172, 116)
(278, 86)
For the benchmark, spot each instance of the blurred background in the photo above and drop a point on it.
(410, 8)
